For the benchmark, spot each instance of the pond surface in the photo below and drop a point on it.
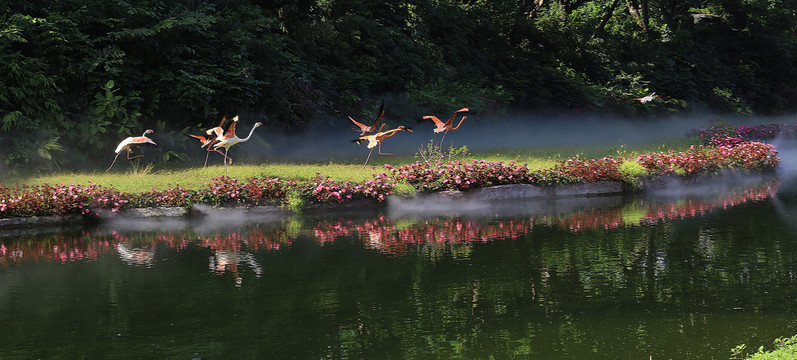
(670, 275)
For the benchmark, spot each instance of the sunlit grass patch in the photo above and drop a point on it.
(135, 179)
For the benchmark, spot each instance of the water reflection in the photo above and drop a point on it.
(670, 275)
(136, 256)
(383, 233)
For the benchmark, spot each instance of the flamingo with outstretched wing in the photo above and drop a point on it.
(375, 140)
(367, 129)
(445, 127)
(127, 143)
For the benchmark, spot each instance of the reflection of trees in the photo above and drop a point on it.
(564, 281)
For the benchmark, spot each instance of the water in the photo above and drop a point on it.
(685, 274)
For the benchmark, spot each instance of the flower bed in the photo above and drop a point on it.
(25, 201)
(721, 133)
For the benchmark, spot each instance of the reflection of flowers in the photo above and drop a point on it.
(381, 234)
(385, 236)
(657, 212)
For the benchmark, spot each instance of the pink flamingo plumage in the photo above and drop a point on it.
(212, 135)
(375, 140)
(445, 127)
(367, 129)
(130, 141)
(228, 139)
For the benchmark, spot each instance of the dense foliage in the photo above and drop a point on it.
(77, 76)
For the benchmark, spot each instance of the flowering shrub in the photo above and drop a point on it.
(58, 200)
(722, 134)
(459, 175)
(482, 173)
(705, 160)
(593, 169)
(326, 190)
(222, 190)
(170, 197)
(424, 176)
(266, 190)
(727, 141)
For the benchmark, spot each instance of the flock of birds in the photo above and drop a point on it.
(221, 137)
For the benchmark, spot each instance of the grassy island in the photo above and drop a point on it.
(294, 185)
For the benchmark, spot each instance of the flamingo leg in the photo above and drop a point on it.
(368, 158)
(380, 150)
(441, 140)
(225, 163)
(225, 156)
(218, 151)
(132, 157)
(114, 161)
(207, 155)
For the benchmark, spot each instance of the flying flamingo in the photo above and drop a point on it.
(645, 99)
(213, 134)
(375, 140)
(366, 129)
(229, 139)
(130, 141)
(445, 127)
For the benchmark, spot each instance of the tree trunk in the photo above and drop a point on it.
(639, 10)
(532, 9)
(608, 15)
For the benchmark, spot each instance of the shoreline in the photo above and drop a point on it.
(513, 193)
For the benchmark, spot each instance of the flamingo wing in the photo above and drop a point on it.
(379, 114)
(230, 132)
(123, 145)
(451, 120)
(361, 125)
(360, 139)
(141, 140)
(205, 140)
(434, 118)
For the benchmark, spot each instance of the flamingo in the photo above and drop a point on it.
(229, 139)
(366, 129)
(645, 99)
(213, 134)
(375, 140)
(130, 141)
(445, 127)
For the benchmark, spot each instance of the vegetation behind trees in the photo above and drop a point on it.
(78, 76)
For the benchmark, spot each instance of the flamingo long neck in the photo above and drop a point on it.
(250, 134)
(451, 120)
(460, 123)
(392, 132)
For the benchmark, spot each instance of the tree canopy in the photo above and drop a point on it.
(80, 75)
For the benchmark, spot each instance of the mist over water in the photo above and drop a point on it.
(332, 140)
(485, 133)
